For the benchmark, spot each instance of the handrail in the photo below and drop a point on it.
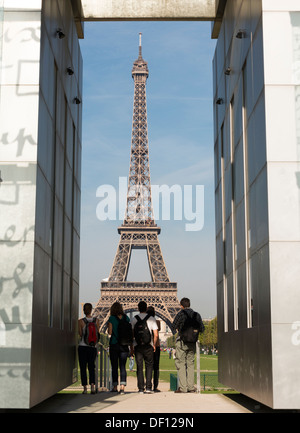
(103, 368)
(198, 367)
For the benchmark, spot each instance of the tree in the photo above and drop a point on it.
(104, 339)
(209, 338)
(171, 341)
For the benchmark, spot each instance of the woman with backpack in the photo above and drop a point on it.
(156, 354)
(120, 330)
(88, 329)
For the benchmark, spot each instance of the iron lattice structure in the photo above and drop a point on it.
(139, 229)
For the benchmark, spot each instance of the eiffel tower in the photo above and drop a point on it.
(139, 230)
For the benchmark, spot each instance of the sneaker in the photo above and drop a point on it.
(156, 390)
(149, 391)
(141, 391)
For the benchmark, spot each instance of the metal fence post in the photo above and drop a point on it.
(104, 368)
(109, 381)
(198, 367)
(101, 365)
(97, 368)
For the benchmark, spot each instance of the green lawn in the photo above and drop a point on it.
(208, 367)
(208, 363)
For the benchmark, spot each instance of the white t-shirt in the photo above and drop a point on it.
(151, 323)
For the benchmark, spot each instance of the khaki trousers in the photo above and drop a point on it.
(184, 361)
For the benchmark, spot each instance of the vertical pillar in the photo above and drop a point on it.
(19, 105)
(281, 25)
(257, 199)
(40, 163)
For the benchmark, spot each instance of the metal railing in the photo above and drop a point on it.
(103, 368)
(198, 366)
(204, 381)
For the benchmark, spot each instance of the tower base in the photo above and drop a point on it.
(161, 296)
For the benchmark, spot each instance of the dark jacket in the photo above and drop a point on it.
(181, 317)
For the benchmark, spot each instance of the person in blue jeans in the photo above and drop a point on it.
(118, 352)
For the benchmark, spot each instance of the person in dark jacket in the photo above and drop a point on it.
(185, 352)
(118, 353)
(156, 354)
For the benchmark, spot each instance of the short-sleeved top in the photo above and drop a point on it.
(151, 323)
(115, 322)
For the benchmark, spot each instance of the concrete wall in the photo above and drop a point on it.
(18, 150)
(144, 9)
(40, 158)
(257, 199)
(281, 29)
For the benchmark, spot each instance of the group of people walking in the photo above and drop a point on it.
(139, 337)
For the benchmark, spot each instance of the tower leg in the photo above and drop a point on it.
(156, 262)
(120, 267)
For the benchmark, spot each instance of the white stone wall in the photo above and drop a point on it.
(19, 105)
(143, 9)
(40, 161)
(281, 29)
(257, 199)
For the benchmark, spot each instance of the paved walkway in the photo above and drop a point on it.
(164, 402)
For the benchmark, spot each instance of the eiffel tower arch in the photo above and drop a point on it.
(165, 301)
(139, 230)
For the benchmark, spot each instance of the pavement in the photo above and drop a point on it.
(164, 402)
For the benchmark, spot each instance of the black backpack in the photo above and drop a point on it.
(125, 336)
(191, 328)
(142, 333)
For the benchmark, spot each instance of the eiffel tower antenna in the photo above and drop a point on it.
(140, 45)
(139, 230)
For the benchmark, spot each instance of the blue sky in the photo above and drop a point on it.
(180, 132)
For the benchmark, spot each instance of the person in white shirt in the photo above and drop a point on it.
(145, 341)
(156, 354)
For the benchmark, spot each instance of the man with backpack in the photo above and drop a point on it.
(189, 324)
(145, 333)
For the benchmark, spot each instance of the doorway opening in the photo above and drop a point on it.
(180, 132)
